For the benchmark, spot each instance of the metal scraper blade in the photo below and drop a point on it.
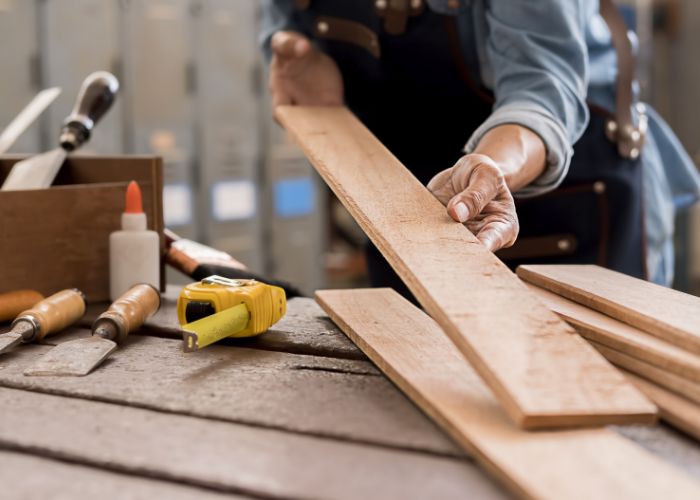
(37, 172)
(8, 341)
(76, 358)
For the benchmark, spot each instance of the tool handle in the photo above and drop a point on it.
(57, 312)
(13, 303)
(130, 311)
(94, 99)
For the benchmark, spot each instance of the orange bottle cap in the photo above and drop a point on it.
(134, 204)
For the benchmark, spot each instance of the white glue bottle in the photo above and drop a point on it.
(134, 252)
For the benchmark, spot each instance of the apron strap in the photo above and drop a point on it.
(622, 130)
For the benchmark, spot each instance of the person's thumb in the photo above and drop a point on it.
(290, 45)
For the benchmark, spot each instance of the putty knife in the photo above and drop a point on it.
(79, 357)
(94, 100)
(26, 117)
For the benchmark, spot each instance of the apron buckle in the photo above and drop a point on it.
(629, 138)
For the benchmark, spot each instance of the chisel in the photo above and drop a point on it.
(13, 303)
(51, 315)
(79, 357)
(26, 117)
(95, 98)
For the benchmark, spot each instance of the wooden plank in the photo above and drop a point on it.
(31, 477)
(627, 339)
(674, 409)
(410, 349)
(229, 457)
(339, 398)
(539, 369)
(661, 377)
(668, 314)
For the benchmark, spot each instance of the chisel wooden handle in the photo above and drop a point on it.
(127, 313)
(95, 98)
(13, 303)
(54, 313)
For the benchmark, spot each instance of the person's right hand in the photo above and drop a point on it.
(301, 74)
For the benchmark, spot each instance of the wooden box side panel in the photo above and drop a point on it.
(59, 238)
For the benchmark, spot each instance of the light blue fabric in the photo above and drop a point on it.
(543, 59)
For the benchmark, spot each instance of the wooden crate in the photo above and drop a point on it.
(57, 238)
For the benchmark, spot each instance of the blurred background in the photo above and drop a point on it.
(194, 92)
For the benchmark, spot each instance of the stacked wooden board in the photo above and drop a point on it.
(651, 332)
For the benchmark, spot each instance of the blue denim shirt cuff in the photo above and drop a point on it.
(552, 133)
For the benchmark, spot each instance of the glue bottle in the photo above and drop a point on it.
(134, 252)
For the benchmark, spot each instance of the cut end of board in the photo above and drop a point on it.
(648, 416)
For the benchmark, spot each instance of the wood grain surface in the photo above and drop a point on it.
(229, 457)
(336, 398)
(622, 337)
(670, 381)
(673, 408)
(410, 349)
(42, 478)
(543, 373)
(668, 314)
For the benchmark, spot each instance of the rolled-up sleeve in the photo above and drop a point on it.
(537, 55)
(276, 15)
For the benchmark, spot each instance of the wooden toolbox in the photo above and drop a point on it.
(57, 238)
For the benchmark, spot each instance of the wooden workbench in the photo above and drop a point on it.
(296, 413)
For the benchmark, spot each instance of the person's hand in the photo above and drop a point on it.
(475, 193)
(300, 74)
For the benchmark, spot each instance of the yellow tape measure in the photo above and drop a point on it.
(218, 307)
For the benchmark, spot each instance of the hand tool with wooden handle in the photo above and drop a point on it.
(79, 357)
(26, 117)
(51, 315)
(200, 261)
(218, 307)
(13, 303)
(95, 98)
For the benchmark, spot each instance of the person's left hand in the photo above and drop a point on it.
(475, 193)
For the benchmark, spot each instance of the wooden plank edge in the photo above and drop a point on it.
(658, 376)
(674, 409)
(598, 327)
(614, 310)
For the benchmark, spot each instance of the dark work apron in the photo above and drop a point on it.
(416, 95)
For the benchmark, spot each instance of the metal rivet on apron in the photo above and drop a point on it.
(634, 153)
(380, 4)
(323, 27)
(599, 187)
(564, 245)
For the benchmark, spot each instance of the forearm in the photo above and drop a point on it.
(519, 152)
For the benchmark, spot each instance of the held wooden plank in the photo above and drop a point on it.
(660, 377)
(411, 350)
(674, 409)
(668, 314)
(539, 369)
(238, 458)
(622, 337)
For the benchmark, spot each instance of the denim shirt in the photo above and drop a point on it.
(543, 59)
